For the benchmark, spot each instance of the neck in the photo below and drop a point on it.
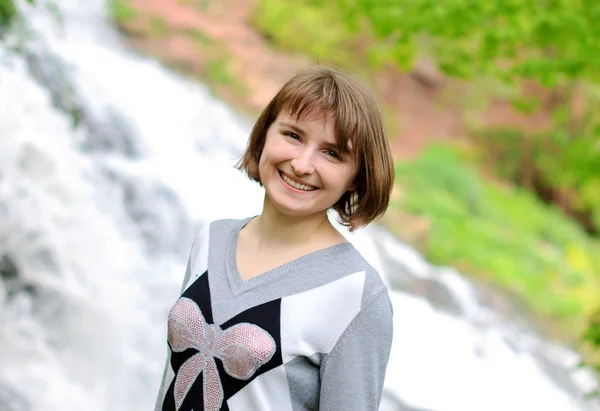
(276, 229)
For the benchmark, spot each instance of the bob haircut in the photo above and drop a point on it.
(321, 91)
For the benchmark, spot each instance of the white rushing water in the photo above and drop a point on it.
(96, 221)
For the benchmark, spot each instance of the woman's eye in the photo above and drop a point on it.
(333, 154)
(292, 135)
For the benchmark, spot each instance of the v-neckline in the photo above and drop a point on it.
(239, 285)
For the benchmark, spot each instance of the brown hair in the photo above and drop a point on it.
(357, 119)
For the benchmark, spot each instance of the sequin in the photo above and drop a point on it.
(186, 376)
(213, 391)
(243, 349)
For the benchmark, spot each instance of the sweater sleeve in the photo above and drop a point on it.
(352, 374)
(161, 389)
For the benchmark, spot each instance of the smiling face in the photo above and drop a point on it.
(303, 171)
(354, 119)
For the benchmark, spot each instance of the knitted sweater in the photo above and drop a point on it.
(312, 334)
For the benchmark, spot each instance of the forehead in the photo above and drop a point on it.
(313, 120)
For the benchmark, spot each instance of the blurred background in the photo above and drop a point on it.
(120, 121)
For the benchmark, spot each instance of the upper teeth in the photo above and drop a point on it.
(296, 185)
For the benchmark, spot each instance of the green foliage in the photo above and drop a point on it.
(502, 233)
(121, 11)
(8, 12)
(198, 37)
(217, 73)
(157, 27)
(568, 165)
(306, 26)
(574, 164)
(591, 337)
(546, 40)
(553, 42)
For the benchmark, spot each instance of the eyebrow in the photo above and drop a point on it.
(294, 127)
(301, 132)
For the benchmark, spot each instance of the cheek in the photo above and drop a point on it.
(267, 165)
(262, 167)
(348, 177)
(276, 153)
(338, 179)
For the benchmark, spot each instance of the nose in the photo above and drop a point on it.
(302, 164)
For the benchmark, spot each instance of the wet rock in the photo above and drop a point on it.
(398, 275)
(8, 269)
(10, 400)
(436, 293)
(113, 133)
(107, 132)
(426, 72)
(52, 74)
(157, 214)
(13, 283)
(418, 278)
(563, 378)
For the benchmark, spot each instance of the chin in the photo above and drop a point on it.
(292, 211)
(295, 212)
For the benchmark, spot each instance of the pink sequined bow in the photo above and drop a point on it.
(243, 348)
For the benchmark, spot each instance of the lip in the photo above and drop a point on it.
(297, 181)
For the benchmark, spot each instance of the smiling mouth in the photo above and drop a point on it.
(296, 185)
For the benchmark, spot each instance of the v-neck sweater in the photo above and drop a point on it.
(311, 334)
(239, 285)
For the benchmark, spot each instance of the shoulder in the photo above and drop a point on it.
(369, 321)
(211, 232)
(374, 311)
(227, 224)
(215, 228)
(346, 284)
(373, 285)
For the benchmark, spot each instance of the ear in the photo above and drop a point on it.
(351, 187)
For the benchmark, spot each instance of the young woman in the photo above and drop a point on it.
(279, 312)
